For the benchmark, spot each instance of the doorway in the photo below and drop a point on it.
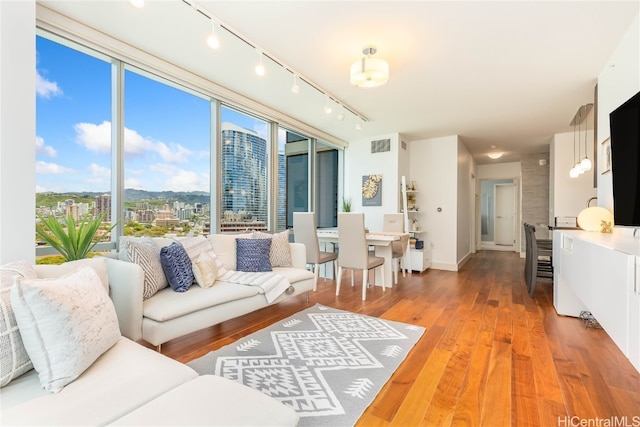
(498, 214)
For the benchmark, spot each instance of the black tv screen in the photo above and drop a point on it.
(625, 162)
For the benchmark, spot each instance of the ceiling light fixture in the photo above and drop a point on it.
(260, 67)
(358, 126)
(213, 40)
(369, 71)
(495, 155)
(295, 88)
(580, 166)
(585, 163)
(327, 106)
(139, 4)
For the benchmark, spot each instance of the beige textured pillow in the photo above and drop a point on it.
(14, 360)
(205, 269)
(280, 252)
(65, 324)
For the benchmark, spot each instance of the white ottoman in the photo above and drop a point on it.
(213, 401)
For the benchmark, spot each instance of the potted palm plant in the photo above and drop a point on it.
(73, 240)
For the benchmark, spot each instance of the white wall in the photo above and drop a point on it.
(618, 81)
(499, 171)
(433, 165)
(359, 161)
(17, 130)
(568, 196)
(466, 204)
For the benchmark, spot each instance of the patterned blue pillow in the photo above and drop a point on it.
(177, 266)
(253, 255)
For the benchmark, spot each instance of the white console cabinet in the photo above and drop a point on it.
(599, 273)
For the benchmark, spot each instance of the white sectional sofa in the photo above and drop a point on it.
(167, 314)
(130, 384)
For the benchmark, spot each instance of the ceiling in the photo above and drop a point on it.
(503, 73)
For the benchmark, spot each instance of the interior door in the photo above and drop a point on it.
(505, 211)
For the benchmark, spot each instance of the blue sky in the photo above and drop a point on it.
(166, 129)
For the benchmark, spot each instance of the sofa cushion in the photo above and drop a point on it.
(167, 305)
(195, 245)
(121, 380)
(253, 255)
(65, 323)
(211, 400)
(280, 252)
(177, 267)
(14, 360)
(205, 269)
(224, 246)
(144, 252)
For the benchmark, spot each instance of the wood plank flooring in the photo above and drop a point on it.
(491, 355)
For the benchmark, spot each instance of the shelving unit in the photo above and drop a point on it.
(415, 259)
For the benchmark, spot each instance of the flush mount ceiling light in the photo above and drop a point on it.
(369, 71)
(137, 3)
(495, 155)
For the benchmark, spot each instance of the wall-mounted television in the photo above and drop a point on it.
(625, 162)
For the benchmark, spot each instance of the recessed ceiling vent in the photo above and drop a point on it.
(380, 146)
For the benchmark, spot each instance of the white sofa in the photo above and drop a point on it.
(167, 314)
(130, 384)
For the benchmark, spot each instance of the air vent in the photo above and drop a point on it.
(380, 146)
(403, 145)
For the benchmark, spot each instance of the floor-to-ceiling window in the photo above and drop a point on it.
(73, 132)
(167, 139)
(245, 172)
(121, 141)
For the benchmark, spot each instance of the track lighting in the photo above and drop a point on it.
(327, 106)
(295, 88)
(213, 40)
(260, 68)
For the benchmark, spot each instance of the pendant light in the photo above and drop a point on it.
(573, 173)
(585, 164)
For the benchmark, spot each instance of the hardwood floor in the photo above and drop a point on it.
(491, 355)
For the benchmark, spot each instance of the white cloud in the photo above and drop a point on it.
(133, 183)
(175, 153)
(45, 168)
(45, 88)
(180, 179)
(99, 171)
(97, 138)
(44, 150)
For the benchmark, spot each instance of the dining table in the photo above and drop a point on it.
(380, 240)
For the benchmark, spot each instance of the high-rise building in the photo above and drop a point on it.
(244, 172)
(103, 205)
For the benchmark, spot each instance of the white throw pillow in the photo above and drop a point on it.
(14, 360)
(65, 324)
(205, 269)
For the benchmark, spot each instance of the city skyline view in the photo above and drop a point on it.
(167, 130)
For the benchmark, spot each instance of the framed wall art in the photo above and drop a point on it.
(372, 190)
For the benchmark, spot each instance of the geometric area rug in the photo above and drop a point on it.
(325, 363)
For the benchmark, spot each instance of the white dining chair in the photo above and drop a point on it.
(354, 253)
(395, 222)
(304, 231)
